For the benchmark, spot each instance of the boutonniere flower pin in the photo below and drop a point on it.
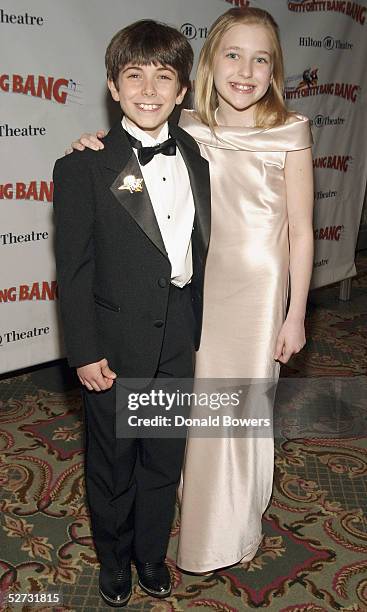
(132, 183)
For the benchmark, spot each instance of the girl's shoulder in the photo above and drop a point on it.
(191, 123)
(294, 117)
(189, 115)
(298, 129)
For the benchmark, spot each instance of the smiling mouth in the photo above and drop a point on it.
(242, 88)
(149, 107)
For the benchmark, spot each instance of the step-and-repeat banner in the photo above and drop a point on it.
(52, 88)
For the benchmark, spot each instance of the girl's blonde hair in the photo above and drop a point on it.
(270, 110)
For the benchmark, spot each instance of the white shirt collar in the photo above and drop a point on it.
(145, 138)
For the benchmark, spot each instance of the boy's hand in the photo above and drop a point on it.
(291, 340)
(96, 376)
(90, 141)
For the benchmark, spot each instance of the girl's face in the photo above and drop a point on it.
(242, 73)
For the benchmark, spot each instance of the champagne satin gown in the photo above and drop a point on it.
(227, 482)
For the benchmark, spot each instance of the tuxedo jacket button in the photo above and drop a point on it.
(163, 282)
(158, 323)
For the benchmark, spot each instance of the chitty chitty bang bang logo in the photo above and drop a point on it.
(38, 291)
(59, 90)
(330, 232)
(342, 163)
(36, 191)
(307, 84)
(354, 10)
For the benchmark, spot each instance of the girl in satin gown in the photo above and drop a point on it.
(262, 198)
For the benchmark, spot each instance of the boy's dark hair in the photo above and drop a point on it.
(149, 42)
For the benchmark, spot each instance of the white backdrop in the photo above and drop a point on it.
(52, 88)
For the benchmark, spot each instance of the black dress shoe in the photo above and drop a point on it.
(115, 586)
(154, 579)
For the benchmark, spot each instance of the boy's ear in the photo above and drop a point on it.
(181, 95)
(112, 87)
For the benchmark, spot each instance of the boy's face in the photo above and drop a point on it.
(147, 95)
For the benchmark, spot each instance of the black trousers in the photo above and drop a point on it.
(131, 483)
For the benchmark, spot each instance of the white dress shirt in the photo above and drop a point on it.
(168, 184)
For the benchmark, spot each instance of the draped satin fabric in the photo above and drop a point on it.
(227, 482)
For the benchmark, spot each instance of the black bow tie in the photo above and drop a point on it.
(146, 154)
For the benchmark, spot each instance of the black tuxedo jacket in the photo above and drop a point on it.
(112, 268)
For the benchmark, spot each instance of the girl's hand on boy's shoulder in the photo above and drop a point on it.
(89, 141)
(291, 340)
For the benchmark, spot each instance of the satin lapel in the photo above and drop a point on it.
(197, 168)
(137, 203)
(130, 192)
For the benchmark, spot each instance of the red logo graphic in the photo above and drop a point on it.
(39, 290)
(38, 192)
(351, 9)
(38, 86)
(333, 162)
(307, 84)
(331, 232)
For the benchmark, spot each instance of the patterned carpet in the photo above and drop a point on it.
(314, 554)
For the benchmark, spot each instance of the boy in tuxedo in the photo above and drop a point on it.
(132, 232)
